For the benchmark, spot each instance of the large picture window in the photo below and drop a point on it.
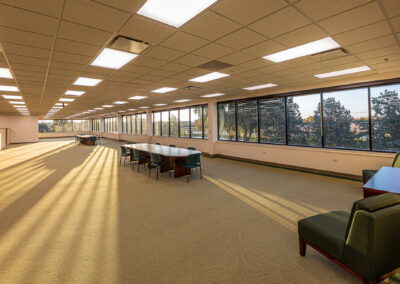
(110, 124)
(63, 125)
(165, 123)
(247, 121)
(184, 122)
(227, 121)
(96, 124)
(156, 123)
(272, 121)
(196, 124)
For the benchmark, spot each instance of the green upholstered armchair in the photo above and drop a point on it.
(367, 174)
(365, 241)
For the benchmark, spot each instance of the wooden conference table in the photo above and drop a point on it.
(387, 179)
(85, 139)
(175, 156)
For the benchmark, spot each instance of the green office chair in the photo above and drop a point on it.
(367, 174)
(192, 162)
(191, 148)
(156, 163)
(138, 157)
(364, 241)
(124, 153)
(93, 140)
(172, 145)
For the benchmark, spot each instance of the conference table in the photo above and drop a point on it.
(387, 179)
(85, 139)
(174, 156)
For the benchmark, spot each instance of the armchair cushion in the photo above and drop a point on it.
(327, 231)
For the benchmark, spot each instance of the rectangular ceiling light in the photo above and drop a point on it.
(74, 93)
(164, 90)
(61, 104)
(182, 101)
(158, 105)
(17, 103)
(173, 12)
(209, 77)
(66, 100)
(108, 106)
(5, 73)
(343, 72)
(269, 85)
(57, 107)
(112, 58)
(120, 102)
(131, 109)
(144, 107)
(98, 108)
(310, 48)
(8, 88)
(137, 98)
(83, 81)
(19, 106)
(213, 95)
(10, 97)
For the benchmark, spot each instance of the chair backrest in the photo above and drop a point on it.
(136, 153)
(130, 143)
(372, 241)
(154, 158)
(172, 145)
(193, 159)
(123, 150)
(191, 148)
(396, 161)
(157, 143)
(93, 139)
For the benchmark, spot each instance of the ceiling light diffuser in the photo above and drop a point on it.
(108, 106)
(5, 73)
(164, 90)
(131, 109)
(61, 104)
(66, 100)
(182, 101)
(10, 97)
(19, 106)
(173, 12)
(212, 95)
(343, 72)
(112, 58)
(269, 85)
(159, 105)
(144, 107)
(120, 102)
(209, 77)
(74, 93)
(83, 81)
(57, 107)
(98, 108)
(137, 98)
(310, 48)
(17, 102)
(8, 88)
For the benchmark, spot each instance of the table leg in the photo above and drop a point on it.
(178, 170)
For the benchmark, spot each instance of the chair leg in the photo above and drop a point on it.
(124, 161)
(201, 174)
(138, 165)
(149, 171)
(120, 160)
(187, 178)
(157, 172)
(302, 246)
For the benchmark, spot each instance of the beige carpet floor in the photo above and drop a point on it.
(71, 214)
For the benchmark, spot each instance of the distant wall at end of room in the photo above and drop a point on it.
(23, 129)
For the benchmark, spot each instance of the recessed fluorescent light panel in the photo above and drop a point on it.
(5, 73)
(112, 58)
(83, 81)
(144, 107)
(182, 101)
(19, 106)
(120, 103)
(66, 100)
(137, 98)
(212, 95)
(164, 90)
(10, 97)
(16, 103)
(8, 88)
(343, 72)
(98, 108)
(74, 93)
(131, 109)
(269, 85)
(61, 104)
(173, 12)
(209, 77)
(310, 48)
(157, 105)
(108, 106)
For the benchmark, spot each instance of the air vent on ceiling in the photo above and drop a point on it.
(214, 65)
(191, 88)
(328, 55)
(128, 44)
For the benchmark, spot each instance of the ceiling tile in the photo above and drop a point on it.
(28, 21)
(48, 7)
(184, 42)
(394, 49)
(278, 23)
(241, 39)
(355, 18)
(11, 48)
(372, 44)
(146, 30)
(301, 36)
(321, 9)
(245, 12)
(164, 53)
(25, 38)
(265, 48)
(70, 58)
(256, 63)
(74, 47)
(175, 67)
(237, 58)
(192, 60)
(148, 62)
(125, 5)
(13, 58)
(392, 7)
(213, 51)
(93, 14)
(83, 34)
(210, 26)
(396, 23)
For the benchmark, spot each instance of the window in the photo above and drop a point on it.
(227, 121)
(304, 120)
(46, 126)
(247, 121)
(196, 125)
(173, 122)
(165, 123)
(144, 124)
(184, 122)
(96, 124)
(156, 123)
(63, 125)
(272, 121)
(345, 119)
(205, 121)
(138, 124)
(385, 118)
(110, 124)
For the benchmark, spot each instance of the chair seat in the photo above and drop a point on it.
(190, 165)
(140, 158)
(327, 231)
(367, 174)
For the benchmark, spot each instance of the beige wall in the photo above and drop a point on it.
(23, 128)
(2, 138)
